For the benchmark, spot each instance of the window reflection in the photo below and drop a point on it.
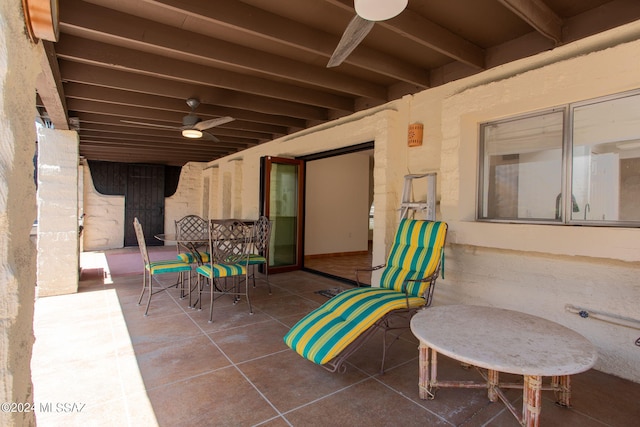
(606, 160)
(534, 168)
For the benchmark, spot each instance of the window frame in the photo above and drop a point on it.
(568, 114)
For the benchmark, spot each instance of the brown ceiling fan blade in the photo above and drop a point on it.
(153, 125)
(355, 32)
(207, 124)
(209, 137)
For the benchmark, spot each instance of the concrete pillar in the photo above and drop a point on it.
(58, 243)
(19, 67)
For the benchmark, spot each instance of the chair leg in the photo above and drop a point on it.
(200, 287)
(182, 290)
(246, 282)
(266, 277)
(146, 311)
(211, 304)
(183, 294)
(191, 288)
(144, 286)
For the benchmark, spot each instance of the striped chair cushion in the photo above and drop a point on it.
(221, 270)
(190, 259)
(415, 254)
(325, 332)
(255, 259)
(160, 267)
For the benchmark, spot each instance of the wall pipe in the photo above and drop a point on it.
(606, 317)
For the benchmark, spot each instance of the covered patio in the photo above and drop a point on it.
(106, 364)
(98, 361)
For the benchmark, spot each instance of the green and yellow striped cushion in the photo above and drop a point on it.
(160, 267)
(190, 259)
(221, 270)
(255, 259)
(328, 330)
(415, 254)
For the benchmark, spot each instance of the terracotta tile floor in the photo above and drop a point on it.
(173, 368)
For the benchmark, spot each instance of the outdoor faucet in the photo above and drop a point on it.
(587, 208)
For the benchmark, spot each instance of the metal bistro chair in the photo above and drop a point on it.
(189, 229)
(260, 254)
(191, 248)
(229, 246)
(154, 268)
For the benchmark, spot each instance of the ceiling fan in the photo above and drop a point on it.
(367, 13)
(192, 125)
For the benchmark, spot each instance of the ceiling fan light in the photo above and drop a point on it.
(191, 133)
(379, 10)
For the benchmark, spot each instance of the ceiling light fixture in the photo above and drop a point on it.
(191, 133)
(379, 10)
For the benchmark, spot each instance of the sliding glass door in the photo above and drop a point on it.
(281, 195)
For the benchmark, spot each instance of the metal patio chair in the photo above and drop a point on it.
(229, 247)
(155, 268)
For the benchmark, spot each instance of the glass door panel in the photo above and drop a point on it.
(282, 195)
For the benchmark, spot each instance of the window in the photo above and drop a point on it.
(576, 164)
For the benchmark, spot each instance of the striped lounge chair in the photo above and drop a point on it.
(331, 333)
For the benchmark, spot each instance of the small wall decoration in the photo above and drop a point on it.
(415, 134)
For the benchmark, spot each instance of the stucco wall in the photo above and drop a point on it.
(532, 268)
(187, 199)
(103, 218)
(541, 268)
(19, 67)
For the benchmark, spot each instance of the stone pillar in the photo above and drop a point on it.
(19, 67)
(58, 243)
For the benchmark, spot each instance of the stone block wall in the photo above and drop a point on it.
(58, 243)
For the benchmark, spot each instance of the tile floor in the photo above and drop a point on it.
(99, 362)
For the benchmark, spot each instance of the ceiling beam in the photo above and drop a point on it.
(204, 111)
(49, 86)
(250, 138)
(537, 14)
(143, 156)
(170, 118)
(100, 76)
(176, 146)
(91, 52)
(268, 26)
(91, 21)
(428, 34)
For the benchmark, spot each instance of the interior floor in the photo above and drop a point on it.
(342, 265)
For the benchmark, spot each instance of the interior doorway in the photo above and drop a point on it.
(338, 228)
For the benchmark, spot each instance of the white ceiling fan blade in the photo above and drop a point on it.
(153, 125)
(207, 124)
(355, 32)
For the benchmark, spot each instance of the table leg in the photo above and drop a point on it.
(424, 382)
(433, 382)
(493, 382)
(531, 400)
(563, 390)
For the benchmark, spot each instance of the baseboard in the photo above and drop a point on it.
(336, 254)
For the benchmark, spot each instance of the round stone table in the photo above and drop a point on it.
(500, 340)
